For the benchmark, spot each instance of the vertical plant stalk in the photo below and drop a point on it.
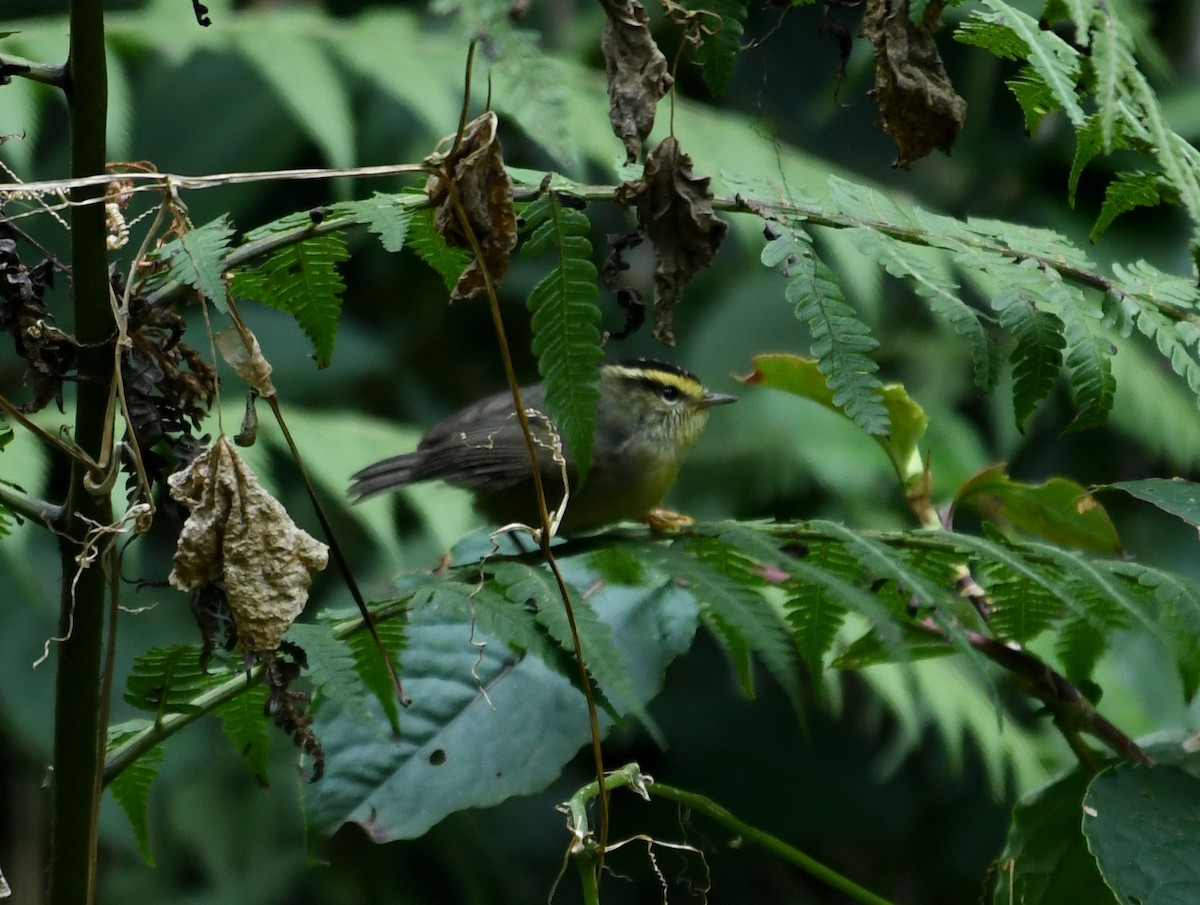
(78, 725)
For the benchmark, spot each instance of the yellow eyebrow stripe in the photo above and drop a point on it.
(685, 383)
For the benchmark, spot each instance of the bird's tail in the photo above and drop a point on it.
(387, 474)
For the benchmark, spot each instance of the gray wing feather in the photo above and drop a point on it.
(480, 447)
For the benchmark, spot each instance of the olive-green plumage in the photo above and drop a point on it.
(649, 415)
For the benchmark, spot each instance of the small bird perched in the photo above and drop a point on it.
(649, 415)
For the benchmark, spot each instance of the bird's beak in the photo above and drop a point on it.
(710, 399)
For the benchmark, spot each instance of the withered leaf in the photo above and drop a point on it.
(674, 207)
(475, 166)
(638, 75)
(918, 104)
(238, 534)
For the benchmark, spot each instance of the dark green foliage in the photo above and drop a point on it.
(132, 791)
(841, 342)
(1127, 191)
(195, 259)
(245, 722)
(1037, 354)
(302, 279)
(566, 339)
(368, 661)
(167, 679)
(447, 262)
(719, 24)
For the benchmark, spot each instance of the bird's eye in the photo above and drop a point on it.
(670, 393)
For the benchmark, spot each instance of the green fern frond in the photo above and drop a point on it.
(727, 584)
(719, 41)
(332, 668)
(245, 722)
(933, 284)
(841, 342)
(303, 280)
(1010, 33)
(368, 662)
(1126, 192)
(131, 789)
(166, 679)
(195, 258)
(527, 586)
(427, 242)
(1037, 355)
(1090, 378)
(1034, 96)
(387, 216)
(566, 339)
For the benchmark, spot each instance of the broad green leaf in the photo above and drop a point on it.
(1174, 495)
(1143, 826)
(1045, 859)
(1058, 509)
(486, 724)
(803, 377)
(566, 339)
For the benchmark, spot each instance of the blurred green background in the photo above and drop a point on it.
(902, 781)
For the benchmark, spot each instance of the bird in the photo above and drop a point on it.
(649, 415)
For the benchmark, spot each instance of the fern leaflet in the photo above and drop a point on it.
(131, 789)
(527, 586)
(841, 342)
(720, 25)
(566, 339)
(427, 242)
(195, 258)
(303, 280)
(244, 721)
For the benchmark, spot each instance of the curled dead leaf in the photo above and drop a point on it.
(917, 102)
(239, 535)
(638, 75)
(475, 167)
(247, 362)
(674, 207)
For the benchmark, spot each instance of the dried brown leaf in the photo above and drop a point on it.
(638, 74)
(239, 535)
(675, 209)
(918, 104)
(475, 166)
(248, 362)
